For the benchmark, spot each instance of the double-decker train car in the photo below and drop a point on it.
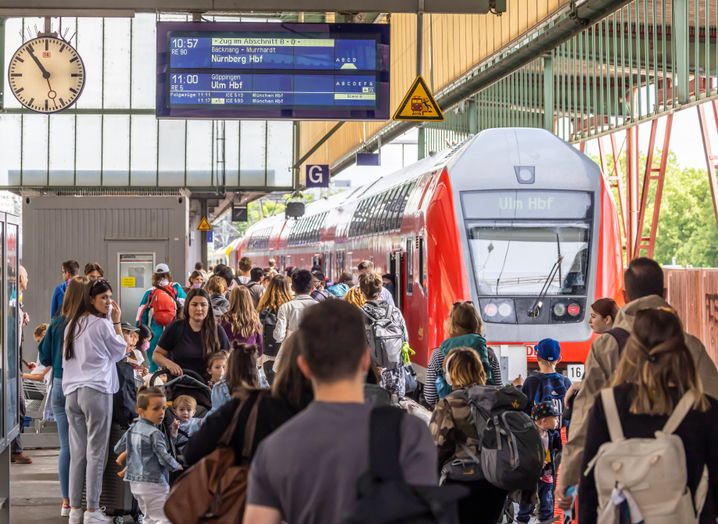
(514, 220)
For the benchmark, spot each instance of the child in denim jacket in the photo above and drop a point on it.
(148, 459)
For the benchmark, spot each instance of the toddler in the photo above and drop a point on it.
(216, 367)
(144, 447)
(184, 408)
(547, 420)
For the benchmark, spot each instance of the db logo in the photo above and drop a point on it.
(317, 175)
(530, 352)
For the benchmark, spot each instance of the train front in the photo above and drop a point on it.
(529, 212)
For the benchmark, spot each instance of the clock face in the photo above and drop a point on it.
(46, 75)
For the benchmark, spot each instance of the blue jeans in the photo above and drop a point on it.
(57, 400)
(545, 496)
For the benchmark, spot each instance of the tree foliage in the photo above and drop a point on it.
(687, 230)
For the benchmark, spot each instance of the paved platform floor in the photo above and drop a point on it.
(35, 490)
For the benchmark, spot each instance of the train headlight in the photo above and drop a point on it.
(559, 310)
(525, 174)
(490, 310)
(574, 309)
(505, 309)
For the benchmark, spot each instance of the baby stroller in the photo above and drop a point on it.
(189, 383)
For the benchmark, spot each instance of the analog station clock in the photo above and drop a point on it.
(46, 74)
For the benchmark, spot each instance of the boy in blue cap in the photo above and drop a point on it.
(547, 384)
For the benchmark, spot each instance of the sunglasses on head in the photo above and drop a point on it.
(462, 302)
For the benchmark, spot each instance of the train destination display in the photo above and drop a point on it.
(273, 71)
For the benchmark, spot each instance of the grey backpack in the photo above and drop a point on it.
(385, 335)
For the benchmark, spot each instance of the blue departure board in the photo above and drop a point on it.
(273, 71)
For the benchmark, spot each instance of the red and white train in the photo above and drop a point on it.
(515, 220)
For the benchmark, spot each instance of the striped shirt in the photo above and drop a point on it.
(436, 363)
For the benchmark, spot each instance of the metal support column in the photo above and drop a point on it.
(711, 157)
(679, 38)
(632, 194)
(652, 174)
(548, 103)
(472, 109)
(420, 68)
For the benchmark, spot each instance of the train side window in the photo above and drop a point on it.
(410, 266)
(381, 211)
(401, 205)
(375, 213)
(391, 206)
(369, 214)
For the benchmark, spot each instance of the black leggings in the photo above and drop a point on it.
(483, 505)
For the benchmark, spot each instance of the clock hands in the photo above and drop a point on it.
(45, 72)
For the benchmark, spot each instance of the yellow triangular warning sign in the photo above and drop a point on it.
(204, 225)
(419, 104)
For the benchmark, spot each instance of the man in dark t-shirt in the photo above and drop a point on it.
(307, 471)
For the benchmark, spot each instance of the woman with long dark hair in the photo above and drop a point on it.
(93, 345)
(50, 355)
(656, 380)
(187, 343)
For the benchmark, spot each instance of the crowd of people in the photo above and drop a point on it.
(300, 377)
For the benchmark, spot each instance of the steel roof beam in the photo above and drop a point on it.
(101, 8)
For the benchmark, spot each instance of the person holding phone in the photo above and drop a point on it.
(93, 345)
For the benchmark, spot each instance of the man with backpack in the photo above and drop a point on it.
(320, 293)
(644, 289)
(308, 470)
(255, 287)
(160, 306)
(386, 334)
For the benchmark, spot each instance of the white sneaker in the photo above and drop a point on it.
(75, 516)
(97, 517)
(64, 510)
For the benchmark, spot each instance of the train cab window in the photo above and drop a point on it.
(410, 266)
(559, 252)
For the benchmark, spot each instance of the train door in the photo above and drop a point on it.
(317, 261)
(340, 262)
(397, 262)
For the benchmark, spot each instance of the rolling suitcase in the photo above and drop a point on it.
(116, 496)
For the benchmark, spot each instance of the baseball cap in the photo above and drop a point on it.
(548, 349)
(162, 268)
(126, 326)
(544, 409)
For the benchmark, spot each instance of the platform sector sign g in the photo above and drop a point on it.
(317, 175)
(419, 104)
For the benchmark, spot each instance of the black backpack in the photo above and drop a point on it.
(512, 455)
(268, 318)
(384, 497)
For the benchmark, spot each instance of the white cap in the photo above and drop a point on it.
(162, 268)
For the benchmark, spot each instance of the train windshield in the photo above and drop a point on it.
(523, 258)
(529, 242)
